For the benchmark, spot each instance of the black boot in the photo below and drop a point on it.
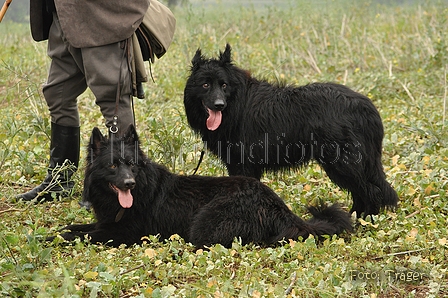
(64, 158)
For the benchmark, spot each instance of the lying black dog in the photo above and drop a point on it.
(134, 197)
(255, 126)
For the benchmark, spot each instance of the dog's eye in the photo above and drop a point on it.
(224, 86)
(113, 166)
(206, 85)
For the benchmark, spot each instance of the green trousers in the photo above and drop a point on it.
(103, 69)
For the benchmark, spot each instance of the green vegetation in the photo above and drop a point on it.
(398, 55)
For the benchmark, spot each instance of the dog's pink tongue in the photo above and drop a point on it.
(125, 198)
(214, 119)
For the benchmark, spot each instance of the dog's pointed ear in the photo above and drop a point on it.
(130, 134)
(226, 56)
(96, 140)
(197, 59)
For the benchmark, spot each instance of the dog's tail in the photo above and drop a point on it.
(332, 220)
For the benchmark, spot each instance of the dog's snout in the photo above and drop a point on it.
(129, 183)
(219, 104)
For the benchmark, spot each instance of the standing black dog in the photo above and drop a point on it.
(134, 197)
(254, 126)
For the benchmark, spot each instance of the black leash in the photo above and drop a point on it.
(114, 128)
(200, 160)
(126, 53)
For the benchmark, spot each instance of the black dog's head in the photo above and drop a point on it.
(209, 85)
(112, 166)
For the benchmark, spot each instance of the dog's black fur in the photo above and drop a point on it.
(134, 197)
(254, 126)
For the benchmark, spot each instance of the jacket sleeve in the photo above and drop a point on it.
(40, 20)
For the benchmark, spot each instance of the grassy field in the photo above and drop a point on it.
(398, 56)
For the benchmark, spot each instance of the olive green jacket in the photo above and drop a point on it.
(89, 23)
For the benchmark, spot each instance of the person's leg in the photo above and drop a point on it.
(64, 84)
(107, 70)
